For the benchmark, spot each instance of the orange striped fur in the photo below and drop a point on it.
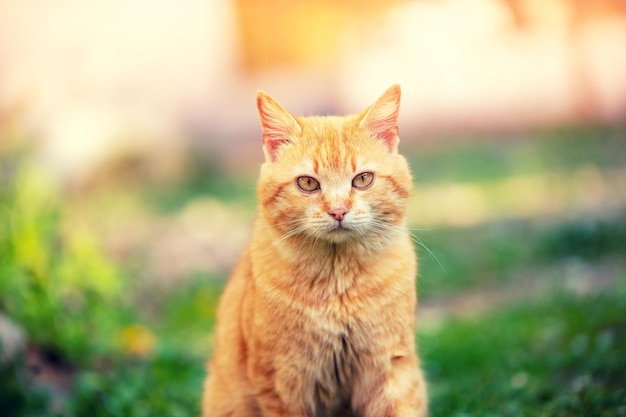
(318, 317)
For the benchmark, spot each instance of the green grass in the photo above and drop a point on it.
(167, 385)
(206, 178)
(492, 254)
(55, 280)
(561, 355)
(78, 310)
(134, 353)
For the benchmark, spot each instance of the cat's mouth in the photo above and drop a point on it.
(340, 228)
(340, 233)
(336, 231)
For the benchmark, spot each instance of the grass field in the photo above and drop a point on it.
(522, 282)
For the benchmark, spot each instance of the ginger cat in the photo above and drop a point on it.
(318, 317)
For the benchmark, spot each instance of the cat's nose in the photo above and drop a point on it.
(338, 213)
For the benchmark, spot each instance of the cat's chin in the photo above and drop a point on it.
(340, 231)
(341, 234)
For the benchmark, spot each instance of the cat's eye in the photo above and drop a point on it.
(363, 180)
(308, 184)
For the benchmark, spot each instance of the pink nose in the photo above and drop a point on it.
(338, 213)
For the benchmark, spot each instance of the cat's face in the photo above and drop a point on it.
(333, 179)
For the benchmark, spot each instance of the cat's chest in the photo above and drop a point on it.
(342, 330)
(343, 309)
(334, 330)
(344, 340)
(341, 313)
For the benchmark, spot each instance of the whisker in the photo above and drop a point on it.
(424, 229)
(382, 226)
(293, 232)
(421, 243)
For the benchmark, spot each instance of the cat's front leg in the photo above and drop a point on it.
(274, 394)
(273, 405)
(402, 393)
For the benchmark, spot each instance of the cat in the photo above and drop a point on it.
(318, 316)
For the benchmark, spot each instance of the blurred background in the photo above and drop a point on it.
(130, 145)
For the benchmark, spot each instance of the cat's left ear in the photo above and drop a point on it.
(381, 119)
(278, 125)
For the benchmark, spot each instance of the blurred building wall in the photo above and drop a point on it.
(89, 78)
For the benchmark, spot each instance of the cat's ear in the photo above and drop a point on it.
(381, 119)
(278, 125)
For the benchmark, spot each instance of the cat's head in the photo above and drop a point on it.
(334, 179)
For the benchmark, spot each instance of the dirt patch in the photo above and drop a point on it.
(530, 283)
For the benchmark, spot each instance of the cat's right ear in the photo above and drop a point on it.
(278, 125)
(381, 119)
